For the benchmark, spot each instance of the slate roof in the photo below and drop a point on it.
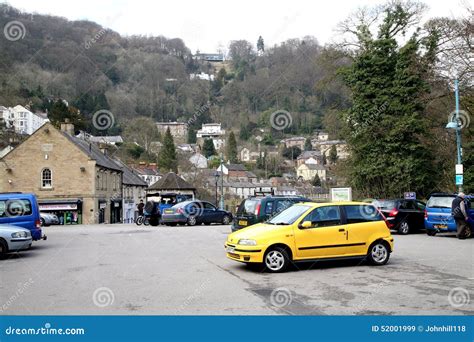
(171, 181)
(235, 167)
(93, 151)
(129, 177)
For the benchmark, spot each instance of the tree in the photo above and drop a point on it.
(208, 148)
(232, 148)
(167, 159)
(386, 129)
(260, 45)
(307, 145)
(291, 152)
(191, 136)
(141, 130)
(316, 180)
(333, 154)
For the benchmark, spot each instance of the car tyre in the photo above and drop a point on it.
(404, 228)
(431, 232)
(378, 253)
(226, 220)
(154, 221)
(276, 260)
(192, 220)
(43, 222)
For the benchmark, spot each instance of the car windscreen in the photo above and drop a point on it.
(248, 207)
(385, 204)
(442, 202)
(290, 215)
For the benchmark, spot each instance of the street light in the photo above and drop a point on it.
(456, 125)
(216, 175)
(222, 182)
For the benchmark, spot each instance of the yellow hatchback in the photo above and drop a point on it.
(314, 231)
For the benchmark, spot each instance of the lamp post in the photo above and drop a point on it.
(216, 175)
(456, 125)
(222, 183)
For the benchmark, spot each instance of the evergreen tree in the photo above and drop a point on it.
(307, 145)
(316, 181)
(232, 148)
(191, 136)
(260, 45)
(167, 159)
(208, 148)
(385, 122)
(333, 154)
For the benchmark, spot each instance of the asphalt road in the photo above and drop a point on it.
(125, 269)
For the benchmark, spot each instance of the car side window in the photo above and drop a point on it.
(2, 209)
(409, 205)
(269, 208)
(361, 213)
(209, 206)
(420, 205)
(324, 217)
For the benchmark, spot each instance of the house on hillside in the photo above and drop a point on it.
(148, 172)
(307, 172)
(71, 177)
(294, 141)
(309, 157)
(22, 120)
(178, 130)
(237, 172)
(198, 160)
(214, 132)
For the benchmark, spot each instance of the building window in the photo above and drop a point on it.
(46, 178)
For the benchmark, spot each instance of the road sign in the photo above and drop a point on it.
(459, 179)
(409, 195)
(459, 169)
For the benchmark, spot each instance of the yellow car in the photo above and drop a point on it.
(314, 231)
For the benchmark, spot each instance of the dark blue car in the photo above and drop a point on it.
(21, 210)
(438, 218)
(195, 212)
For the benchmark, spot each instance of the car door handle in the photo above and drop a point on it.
(342, 230)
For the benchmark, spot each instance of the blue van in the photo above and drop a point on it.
(22, 210)
(438, 218)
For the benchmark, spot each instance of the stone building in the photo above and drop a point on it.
(179, 130)
(71, 177)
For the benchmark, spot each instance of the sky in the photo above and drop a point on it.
(209, 24)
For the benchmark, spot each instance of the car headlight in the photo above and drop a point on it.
(247, 242)
(19, 235)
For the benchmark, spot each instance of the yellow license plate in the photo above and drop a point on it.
(168, 211)
(242, 223)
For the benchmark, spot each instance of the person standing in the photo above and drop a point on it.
(140, 207)
(459, 210)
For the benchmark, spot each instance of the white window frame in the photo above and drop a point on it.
(43, 186)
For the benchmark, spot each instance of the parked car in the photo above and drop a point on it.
(195, 212)
(314, 231)
(21, 209)
(259, 209)
(154, 209)
(438, 218)
(403, 215)
(48, 219)
(13, 239)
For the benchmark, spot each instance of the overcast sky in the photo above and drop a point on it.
(205, 25)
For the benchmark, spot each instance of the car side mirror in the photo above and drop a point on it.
(305, 225)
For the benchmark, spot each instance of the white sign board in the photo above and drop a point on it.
(341, 194)
(64, 206)
(459, 169)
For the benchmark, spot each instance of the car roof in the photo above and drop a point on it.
(325, 204)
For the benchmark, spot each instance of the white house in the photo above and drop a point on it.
(22, 120)
(198, 160)
(212, 131)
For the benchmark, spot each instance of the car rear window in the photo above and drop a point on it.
(362, 213)
(385, 205)
(248, 207)
(441, 202)
(15, 207)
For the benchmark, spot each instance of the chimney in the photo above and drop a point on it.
(103, 147)
(67, 127)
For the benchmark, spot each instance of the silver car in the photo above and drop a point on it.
(48, 219)
(13, 239)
